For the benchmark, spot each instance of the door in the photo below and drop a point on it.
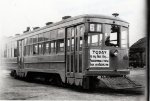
(70, 52)
(79, 43)
(74, 51)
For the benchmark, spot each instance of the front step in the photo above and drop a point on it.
(117, 83)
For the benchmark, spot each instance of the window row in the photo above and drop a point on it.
(49, 35)
(114, 36)
(50, 47)
(54, 34)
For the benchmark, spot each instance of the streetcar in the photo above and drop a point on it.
(87, 50)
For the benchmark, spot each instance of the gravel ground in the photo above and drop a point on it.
(13, 89)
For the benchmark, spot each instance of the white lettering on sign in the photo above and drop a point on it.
(99, 58)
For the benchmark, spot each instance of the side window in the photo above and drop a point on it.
(60, 45)
(15, 49)
(31, 49)
(53, 46)
(41, 48)
(35, 49)
(46, 48)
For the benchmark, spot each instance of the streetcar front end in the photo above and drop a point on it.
(108, 49)
(107, 46)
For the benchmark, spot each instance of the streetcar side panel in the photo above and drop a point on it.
(46, 64)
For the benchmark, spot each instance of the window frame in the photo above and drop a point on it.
(34, 49)
(118, 45)
(89, 42)
(53, 50)
(59, 47)
(46, 52)
(127, 34)
(40, 50)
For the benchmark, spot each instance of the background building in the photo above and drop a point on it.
(137, 55)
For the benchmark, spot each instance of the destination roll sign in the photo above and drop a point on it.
(99, 58)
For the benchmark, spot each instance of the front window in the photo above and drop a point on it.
(112, 33)
(94, 41)
(95, 36)
(124, 33)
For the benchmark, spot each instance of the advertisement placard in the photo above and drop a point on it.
(99, 58)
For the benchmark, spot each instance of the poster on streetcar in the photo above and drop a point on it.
(99, 58)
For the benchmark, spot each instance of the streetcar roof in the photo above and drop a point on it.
(74, 18)
(96, 16)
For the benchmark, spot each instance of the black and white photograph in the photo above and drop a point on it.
(73, 50)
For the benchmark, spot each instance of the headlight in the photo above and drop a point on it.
(114, 52)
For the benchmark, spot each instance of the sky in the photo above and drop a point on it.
(16, 15)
